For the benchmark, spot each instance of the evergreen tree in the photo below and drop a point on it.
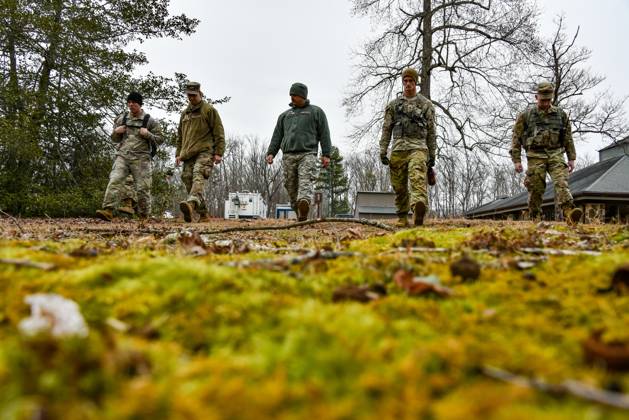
(66, 68)
(334, 181)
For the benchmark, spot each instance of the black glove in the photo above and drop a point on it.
(431, 162)
(384, 159)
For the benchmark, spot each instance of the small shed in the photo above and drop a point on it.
(375, 205)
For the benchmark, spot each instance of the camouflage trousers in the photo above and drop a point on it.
(300, 174)
(408, 178)
(535, 181)
(140, 170)
(128, 190)
(196, 172)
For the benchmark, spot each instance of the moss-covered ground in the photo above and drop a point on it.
(231, 327)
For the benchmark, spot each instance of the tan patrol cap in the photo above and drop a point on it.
(193, 88)
(545, 90)
(410, 72)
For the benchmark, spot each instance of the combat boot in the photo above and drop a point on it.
(105, 214)
(188, 209)
(419, 212)
(127, 207)
(303, 207)
(204, 218)
(573, 215)
(402, 221)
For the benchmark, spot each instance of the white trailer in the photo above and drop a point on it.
(245, 205)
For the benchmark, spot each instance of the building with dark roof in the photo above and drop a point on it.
(375, 205)
(601, 190)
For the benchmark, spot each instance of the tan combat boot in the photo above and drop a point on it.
(127, 207)
(573, 216)
(188, 209)
(419, 212)
(402, 221)
(303, 207)
(105, 214)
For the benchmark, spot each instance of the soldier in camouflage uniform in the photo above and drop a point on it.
(134, 136)
(298, 133)
(410, 120)
(200, 146)
(544, 131)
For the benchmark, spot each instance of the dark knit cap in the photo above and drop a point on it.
(299, 89)
(135, 97)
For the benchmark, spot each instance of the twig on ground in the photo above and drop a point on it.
(294, 259)
(572, 387)
(240, 228)
(14, 221)
(417, 249)
(553, 251)
(27, 263)
(305, 223)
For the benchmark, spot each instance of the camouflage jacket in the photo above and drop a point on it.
(200, 129)
(301, 130)
(540, 133)
(411, 123)
(130, 144)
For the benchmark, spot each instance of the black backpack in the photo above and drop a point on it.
(145, 122)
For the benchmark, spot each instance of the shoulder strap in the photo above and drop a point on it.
(124, 118)
(145, 121)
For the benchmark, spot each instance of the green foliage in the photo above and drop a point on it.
(66, 71)
(334, 181)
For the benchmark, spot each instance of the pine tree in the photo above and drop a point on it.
(67, 67)
(334, 181)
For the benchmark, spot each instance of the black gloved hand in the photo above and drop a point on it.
(431, 162)
(384, 159)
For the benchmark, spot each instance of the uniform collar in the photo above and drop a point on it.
(292, 105)
(192, 108)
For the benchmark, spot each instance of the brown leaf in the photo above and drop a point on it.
(192, 243)
(85, 251)
(189, 239)
(417, 286)
(364, 293)
(613, 355)
(466, 267)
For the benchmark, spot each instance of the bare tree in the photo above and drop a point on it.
(465, 51)
(592, 110)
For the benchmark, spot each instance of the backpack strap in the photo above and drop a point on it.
(145, 121)
(124, 118)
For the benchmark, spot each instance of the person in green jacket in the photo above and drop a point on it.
(200, 146)
(298, 133)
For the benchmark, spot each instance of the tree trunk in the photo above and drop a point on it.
(426, 55)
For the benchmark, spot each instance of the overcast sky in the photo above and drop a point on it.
(252, 50)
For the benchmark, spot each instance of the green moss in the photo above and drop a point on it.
(267, 341)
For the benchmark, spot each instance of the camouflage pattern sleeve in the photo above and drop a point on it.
(278, 135)
(387, 129)
(179, 140)
(117, 138)
(218, 132)
(517, 140)
(568, 141)
(431, 139)
(155, 131)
